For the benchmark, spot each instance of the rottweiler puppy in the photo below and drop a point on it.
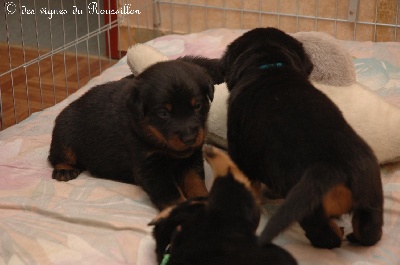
(218, 230)
(146, 130)
(287, 134)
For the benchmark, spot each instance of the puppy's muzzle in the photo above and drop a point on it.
(189, 136)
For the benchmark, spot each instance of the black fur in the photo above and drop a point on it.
(146, 130)
(218, 230)
(287, 134)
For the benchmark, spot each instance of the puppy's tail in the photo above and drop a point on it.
(302, 200)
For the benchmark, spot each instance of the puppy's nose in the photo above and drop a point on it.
(189, 137)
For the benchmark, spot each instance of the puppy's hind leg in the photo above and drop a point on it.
(367, 220)
(64, 163)
(322, 231)
(367, 225)
(312, 201)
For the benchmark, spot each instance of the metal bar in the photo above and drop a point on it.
(147, 12)
(376, 18)
(352, 11)
(109, 33)
(1, 112)
(189, 9)
(65, 63)
(87, 41)
(355, 17)
(156, 14)
(336, 17)
(129, 26)
(11, 73)
(137, 28)
(38, 62)
(316, 16)
(24, 59)
(297, 15)
(98, 39)
(279, 14)
(68, 45)
(137, 23)
(119, 38)
(241, 14)
(76, 49)
(259, 12)
(172, 17)
(224, 12)
(290, 15)
(397, 17)
(51, 57)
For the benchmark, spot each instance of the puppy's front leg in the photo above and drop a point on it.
(194, 185)
(191, 176)
(161, 187)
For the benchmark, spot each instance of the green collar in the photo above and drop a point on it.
(165, 259)
(166, 256)
(270, 65)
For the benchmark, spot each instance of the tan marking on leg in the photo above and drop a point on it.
(337, 201)
(192, 102)
(168, 107)
(193, 185)
(64, 167)
(69, 156)
(336, 229)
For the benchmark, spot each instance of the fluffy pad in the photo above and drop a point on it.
(141, 56)
(332, 64)
(333, 74)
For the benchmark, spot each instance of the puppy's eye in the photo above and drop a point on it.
(197, 106)
(163, 113)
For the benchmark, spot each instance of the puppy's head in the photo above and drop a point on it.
(263, 47)
(218, 229)
(170, 102)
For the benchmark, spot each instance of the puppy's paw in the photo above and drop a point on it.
(65, 174)
(326, 236)
(222, 165)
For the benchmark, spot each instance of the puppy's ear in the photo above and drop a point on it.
(164, 214)
(210, 91)
(211, 66)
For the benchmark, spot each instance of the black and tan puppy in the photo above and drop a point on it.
(218, 230)
(147, 130)
(290, 136)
